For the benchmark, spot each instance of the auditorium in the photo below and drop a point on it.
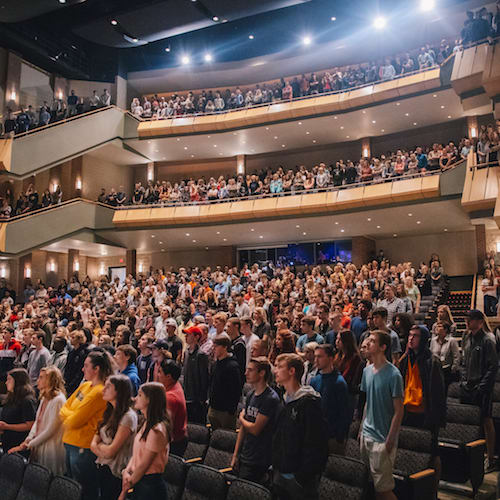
(249, 250)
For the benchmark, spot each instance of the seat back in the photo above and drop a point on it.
(220, 450)
(414, 451)
(12, 469)
(175, 476)
(240, 489)
(36, 482)
(344, 478)
(203, 482)
(198, 439)
(462, 423)
(63, 488)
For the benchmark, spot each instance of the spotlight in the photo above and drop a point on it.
(215, 19)
(251, 37)
(185, 60)
(167, 49)
(333, 18)
(306, 40)
(208, 57)
(135, 40)
(379, 23)
(114, 22)
(427, 5)
(62, 1)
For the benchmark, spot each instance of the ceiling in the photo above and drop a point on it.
(117, 153)
(426, 218)
(85, 247)
(384, 119)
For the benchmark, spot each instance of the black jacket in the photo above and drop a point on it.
(225, 385)
(196, 376)
(239, 350)
(73, 372)
(300, 441)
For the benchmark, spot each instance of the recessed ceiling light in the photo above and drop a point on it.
(373, 121)
(282, 145)
(208, 137)
(307, 133)
(300, 123)
(167, 49)
(378, 227)
(153, 236)
(336, 223)
(394, 235)
(251, 37)
(178, 139)
(261, 236)
(218, 232)
(194, 241)
(215, 18)
(442, 106)
(215, 145)
(347, 136)
(224, 239)
(114, 22)
(185, 147)
(304, 233)
(383, 130)
(252, 229)
(410, 214)
(208, 57)
(398, 104)
(267, 128)
(369, 219)
(192, 156)
(342, 230)
(419, 222)
(434, 95)
(333, 18)
(275, 136)
(407, 114)
(297, 226)
(135, 40)
(185, 60)
(62, 1)
(187, 234)
(334, 117)
(364, 111)
(314, 141)
(342, 127)
(449, 116)
(235, 133)
(414, 123)
(162, 249)
(445, 230)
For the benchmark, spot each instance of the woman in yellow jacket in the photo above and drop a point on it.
(80, 416)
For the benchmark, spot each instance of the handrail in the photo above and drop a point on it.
(473, 297)
(488, 164)
(289, 193)
(294, 99)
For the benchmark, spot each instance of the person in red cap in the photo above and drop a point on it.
(195, 376)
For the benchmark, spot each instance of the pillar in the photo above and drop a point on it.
(366, 147)
(472, 127)
(121, 92)
(131, 262)
(362, 249)
(73, 263)
(150, 172)
(240, 164)
(480, 245)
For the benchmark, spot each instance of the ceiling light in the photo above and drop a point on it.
(379, 23)
(364, 112)
(218, 232)
(252, 229)
(314, 141)
(307, 133)
(251, 37)
(194, 241)
(427, 5)
(275, 136)
(442, 107)
(162, 249)
(342, 127)
(185, 147)
(297, 226)
(398, 104)
(369, 219)
(187, 234)
(306, 40)
(383, 130)
(215, 18)
(160, 242)
(114, 22)
(378, 227)
(135, 40)
(167, 49)
(225, 239)
(419, 222)
(153, 236)
(300, 123)
(261, 236)
(208, 57)
(347, 136)
(445, 230)
(215, 145)
(373, 121)
(334, 117)
(407, 114)
(282, 145)
(333, 18)
(342, 230)
(394, 235)
(414, 123)
(304, 233)
(185, 60)
(409, 215)
(192, 156)
(267, 128)
(336, 223)
(434, 95)
(62, 1)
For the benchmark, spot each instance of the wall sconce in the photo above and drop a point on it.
(76, 266)
(60, 95)
(102, 269)
(52, 266)
(473, 132)
(498, 246)
(55, 185)
(3, 272)
(140, 267)
(151, 171)
(365, 152)
(13, 95)
(27, 272)
(78, 184)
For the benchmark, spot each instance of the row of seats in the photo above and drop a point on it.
(20, 480)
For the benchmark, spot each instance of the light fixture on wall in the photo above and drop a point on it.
(78, 184)
(27, 272)
(151, 171)
(498, 246)
(55, 186)
(102, 269)
(3, 272)
(52, 266)
(13, 95)
(60, 95)
(76, 266)
(365, 152)
(473, 132)
(140, 267)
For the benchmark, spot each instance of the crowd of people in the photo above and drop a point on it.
(402, 162)
(101, 378)
(28, 201)
(29, 118)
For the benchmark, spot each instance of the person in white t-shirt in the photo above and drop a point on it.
(246, 326)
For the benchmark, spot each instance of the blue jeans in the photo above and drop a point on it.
(150, 487)
(81, 466)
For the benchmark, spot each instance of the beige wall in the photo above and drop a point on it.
(456, 250)
(97, 174)
(177, 172)
(84, 89)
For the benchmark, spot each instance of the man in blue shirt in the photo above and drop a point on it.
(383, 385)
(421, 158)
(334, 398)
(359, 323)
(309, 335)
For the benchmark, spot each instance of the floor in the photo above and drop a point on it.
(486, 492)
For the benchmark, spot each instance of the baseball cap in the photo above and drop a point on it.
(170, 322)
(475, 314)
(196, 330)
(161, 344)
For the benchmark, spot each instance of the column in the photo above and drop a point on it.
(366, 147)
(472, 127)
(150, 171)
(240, 164)
(480, 246)
(362, 249)
(131, 262)
(73, 263)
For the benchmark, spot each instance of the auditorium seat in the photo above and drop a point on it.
(461, 447)
(204, 483)
(198, 439)
(220, 450)
(12, 469)
(343, 478)
(36, 482)
(63, 488)
(175, 476)
(239, 489)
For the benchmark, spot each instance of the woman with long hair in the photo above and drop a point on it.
(444, 316)
(45, 438)
(112, 443)
(283, 343)
(19, 410)
(402, 323)
(144, 472)
(347, 360)
(80, 416)
(489, 288)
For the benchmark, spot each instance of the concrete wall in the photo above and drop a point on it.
(97, 174)
(84, 88)
(456, 250)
